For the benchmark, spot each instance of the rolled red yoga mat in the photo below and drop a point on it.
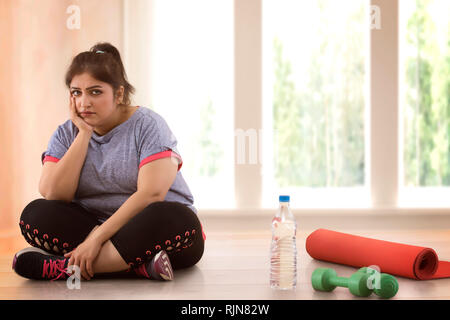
(403, 260)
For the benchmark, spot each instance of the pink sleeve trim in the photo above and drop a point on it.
(50, 158)
(160, 155)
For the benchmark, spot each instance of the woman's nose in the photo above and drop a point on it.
(84, 102)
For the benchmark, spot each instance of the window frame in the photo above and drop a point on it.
(382, 130)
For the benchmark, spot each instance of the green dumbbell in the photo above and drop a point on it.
(325, 279)
(388, 284)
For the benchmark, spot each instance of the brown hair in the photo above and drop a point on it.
(103, 63)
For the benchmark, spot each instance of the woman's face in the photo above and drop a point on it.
(92, 95)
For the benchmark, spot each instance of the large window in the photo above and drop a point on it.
(192, 88)
(337, 132)
(315, 82)
(425, 101)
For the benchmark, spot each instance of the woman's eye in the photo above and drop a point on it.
(95, 92)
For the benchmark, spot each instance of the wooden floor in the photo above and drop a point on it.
(235, 265)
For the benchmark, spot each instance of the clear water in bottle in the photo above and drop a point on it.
(283, 250)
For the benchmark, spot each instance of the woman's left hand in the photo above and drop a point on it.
(84, 256)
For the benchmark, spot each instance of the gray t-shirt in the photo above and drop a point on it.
(110, 171)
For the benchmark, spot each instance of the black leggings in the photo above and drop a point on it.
(58, 227)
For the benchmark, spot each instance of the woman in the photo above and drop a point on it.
(114, 198)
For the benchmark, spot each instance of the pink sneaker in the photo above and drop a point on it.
(35, 263)
(159, 268)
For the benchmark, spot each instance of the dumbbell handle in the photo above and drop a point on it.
(339, 281)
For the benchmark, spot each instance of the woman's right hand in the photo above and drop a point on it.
(79, 122)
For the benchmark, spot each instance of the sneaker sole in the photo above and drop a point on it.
(163, 266)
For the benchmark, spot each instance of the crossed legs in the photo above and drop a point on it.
(58, 227)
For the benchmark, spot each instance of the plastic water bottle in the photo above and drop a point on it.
(283, 251)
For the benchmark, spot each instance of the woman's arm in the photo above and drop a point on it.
(61, 182)
(154, 180)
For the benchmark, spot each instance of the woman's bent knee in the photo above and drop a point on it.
(43, 222)
(28, 220)
(37, 207)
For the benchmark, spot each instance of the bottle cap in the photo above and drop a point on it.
(284, 198)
